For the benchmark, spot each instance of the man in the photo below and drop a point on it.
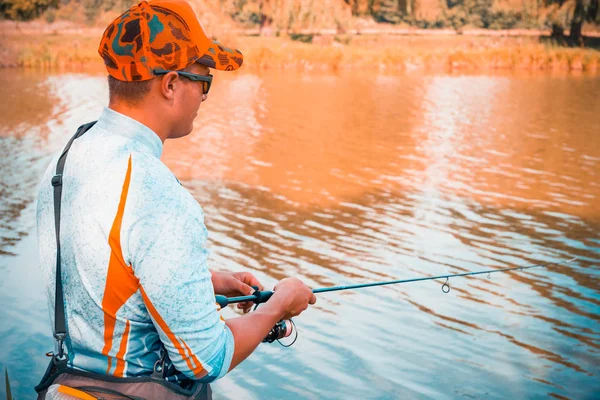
(139, 298)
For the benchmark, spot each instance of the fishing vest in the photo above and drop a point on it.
(64, 382)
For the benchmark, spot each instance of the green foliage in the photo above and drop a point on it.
(477, 14)
(290, 14)
(24, 10)
(299, 37)
(457, 14)
(594, 11)
(388, 11)
(91, 9)
(108, 5)
(50, 15)
(68, 11)
(240, 13)
(505, 20)
(50, 10)
(343, 39)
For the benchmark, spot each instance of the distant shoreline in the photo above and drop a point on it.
(426, 32)
(38, 26)
(63, 45)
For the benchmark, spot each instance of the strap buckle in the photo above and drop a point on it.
(159, 366)
(60, 354)
(56, 180)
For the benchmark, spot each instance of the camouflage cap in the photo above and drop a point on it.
(164, 34)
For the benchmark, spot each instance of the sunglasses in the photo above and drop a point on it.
(205, 79)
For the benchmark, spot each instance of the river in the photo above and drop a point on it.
(354, 178)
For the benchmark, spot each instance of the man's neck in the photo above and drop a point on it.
(143, 116)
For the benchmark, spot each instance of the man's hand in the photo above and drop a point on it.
(232, 284)
(289, 299)
(295, 295)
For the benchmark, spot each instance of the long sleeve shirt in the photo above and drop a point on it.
(134, 259)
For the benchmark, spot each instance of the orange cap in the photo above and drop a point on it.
(161, 34)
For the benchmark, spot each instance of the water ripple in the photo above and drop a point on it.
(340, 181)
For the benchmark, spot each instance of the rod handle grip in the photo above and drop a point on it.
(257, 297)
(222, 301)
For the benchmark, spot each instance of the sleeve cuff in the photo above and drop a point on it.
(229, 347)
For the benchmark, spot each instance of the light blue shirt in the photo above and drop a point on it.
(134, 262)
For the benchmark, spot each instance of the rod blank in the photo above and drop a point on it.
(262, 296)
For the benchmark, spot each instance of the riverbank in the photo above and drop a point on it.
(73, 48)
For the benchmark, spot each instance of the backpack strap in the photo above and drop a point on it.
(60, 325)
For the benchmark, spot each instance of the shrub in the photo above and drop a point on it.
(24, 10)
(299, 37)
(50, 15)
(91, 10)
(343, 39)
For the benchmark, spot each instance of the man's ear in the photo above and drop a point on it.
(168, 84)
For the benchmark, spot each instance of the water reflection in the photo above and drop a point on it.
(24, 110)
(340, 180)
(26, 101)
(37, 113)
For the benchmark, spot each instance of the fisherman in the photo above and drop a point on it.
(123, 244)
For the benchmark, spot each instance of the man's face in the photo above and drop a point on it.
(190, 98)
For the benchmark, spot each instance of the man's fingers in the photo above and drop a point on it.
(252, 281)
(248, 279)
(246, 306)
(245, 289)
(313, 299)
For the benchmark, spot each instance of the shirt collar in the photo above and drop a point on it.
(122, 125)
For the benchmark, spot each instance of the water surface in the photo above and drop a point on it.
(346, 179)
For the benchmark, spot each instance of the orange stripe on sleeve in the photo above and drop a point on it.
(109, 362)
(120, 355)
(198, 367)
(121, 283)
(163, 325)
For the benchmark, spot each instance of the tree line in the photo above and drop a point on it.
(290, 15)
(26, 10)
(557, 15)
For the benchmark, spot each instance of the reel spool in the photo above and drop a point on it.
(282, 329)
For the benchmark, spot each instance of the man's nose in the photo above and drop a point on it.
(204, 97)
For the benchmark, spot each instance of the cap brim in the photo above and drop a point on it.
(222, 58)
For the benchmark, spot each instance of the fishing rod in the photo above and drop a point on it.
(284, 328)
(262, 296)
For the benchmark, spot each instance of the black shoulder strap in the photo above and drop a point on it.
(60, 326)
